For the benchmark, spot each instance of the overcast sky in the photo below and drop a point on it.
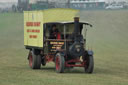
(17, 0)
(8, 0)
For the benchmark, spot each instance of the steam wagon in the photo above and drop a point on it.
(56, 35)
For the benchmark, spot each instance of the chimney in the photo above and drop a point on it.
(76, 26)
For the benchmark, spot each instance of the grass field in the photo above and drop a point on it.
(108, 38)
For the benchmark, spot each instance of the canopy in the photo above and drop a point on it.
(70, 22)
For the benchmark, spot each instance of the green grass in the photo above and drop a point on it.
(108, 39)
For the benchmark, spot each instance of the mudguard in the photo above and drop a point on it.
(90, 52)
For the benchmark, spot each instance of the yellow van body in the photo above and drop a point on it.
(34, 22)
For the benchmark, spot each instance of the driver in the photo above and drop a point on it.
(54, 33)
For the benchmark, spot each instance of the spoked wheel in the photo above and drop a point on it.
(34, 60)
(59, 63)
(89, 64)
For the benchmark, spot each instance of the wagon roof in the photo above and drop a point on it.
(69, 22)
(59, 14)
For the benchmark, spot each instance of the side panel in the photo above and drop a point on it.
(33, 29)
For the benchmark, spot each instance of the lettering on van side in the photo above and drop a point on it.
(33, 30)
(32, 36)
(32, 24)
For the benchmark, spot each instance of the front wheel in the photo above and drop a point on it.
(89, 66)
(59, 63)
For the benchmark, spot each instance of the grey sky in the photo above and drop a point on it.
(8, 0)
(17, 0)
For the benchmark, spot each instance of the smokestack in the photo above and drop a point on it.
(76, 26)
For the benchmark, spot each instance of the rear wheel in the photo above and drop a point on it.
(34, 60)
(59, 63)
(89, 64)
